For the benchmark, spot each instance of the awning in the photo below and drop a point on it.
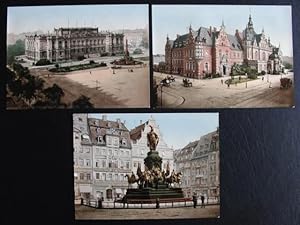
(85, 189)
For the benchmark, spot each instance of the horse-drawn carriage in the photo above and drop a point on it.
(187, 83)
(285, 83)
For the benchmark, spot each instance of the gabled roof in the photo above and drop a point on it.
(234, 43)
(136, 133)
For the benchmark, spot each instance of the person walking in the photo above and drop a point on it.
(195, 199)
(202, 201)
(222, 81)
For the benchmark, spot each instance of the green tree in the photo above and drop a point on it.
(14, 50)
(82, 102)
(288, 65)
(54, 94)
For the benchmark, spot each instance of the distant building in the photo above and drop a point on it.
(199, 162)
(69, 43)
(210, 51)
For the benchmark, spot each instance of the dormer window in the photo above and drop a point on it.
(98, 130)
(100, 140)
(85, 137)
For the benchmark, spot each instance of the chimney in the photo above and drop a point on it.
(209, 30)
(141, 122)
(104, 117)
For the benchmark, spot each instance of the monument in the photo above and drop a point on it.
(153, 183)
(127, 59)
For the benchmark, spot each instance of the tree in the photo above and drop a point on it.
(14, 50)
(54, 94)
(82, 102)
(288, 65)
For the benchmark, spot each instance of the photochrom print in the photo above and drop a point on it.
(146, 166)
(78, 56)
(223, 56)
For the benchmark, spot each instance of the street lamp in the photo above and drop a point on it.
(161, 91)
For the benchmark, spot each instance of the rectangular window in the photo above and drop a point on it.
(97, 176)
(97, 164)
(127, 165)
(81, 176)
(88, 176)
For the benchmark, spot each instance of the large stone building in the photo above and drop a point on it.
(105, 151)
(199, 161)
(210, 51)
(102, 157)
(69, 43)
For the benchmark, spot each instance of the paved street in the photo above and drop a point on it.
(84, 212)
(210, 93)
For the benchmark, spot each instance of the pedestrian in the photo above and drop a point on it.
(228, 85)
(91, 72)
(262, 78)
(157, 203)
(235, 83)
(113, 71)
(222, 81)
(270, 86)
(195, 199)
(202, 201)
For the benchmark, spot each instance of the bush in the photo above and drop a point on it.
(103, 64)
(252, 76)
(104, 54)
(263, 72)
(80, 57)
(56, 65)
(92, 62)
(43, 62)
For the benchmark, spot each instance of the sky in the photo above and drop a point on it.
(106, 17)
(177, 129)
(171, 20)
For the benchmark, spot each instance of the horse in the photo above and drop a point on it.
(131, 179)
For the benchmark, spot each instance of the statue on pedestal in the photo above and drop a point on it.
(153, 139)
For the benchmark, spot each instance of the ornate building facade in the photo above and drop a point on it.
(100, 169)
(211, 51)
(69, 43)
(199, 161)
(105, 151)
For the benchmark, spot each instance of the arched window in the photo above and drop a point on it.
(264, 56)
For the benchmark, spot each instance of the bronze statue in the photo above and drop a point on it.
(153, 139)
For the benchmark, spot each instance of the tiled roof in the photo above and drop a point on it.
(234, 43)
(136, 133)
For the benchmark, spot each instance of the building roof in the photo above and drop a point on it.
(136, 133)
(103, 127)
(204, 145)
(234, 43)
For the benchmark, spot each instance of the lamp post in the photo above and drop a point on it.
(161, 91)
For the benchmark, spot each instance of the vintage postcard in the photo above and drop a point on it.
(222, 56)
(86, 56)
(140, 166)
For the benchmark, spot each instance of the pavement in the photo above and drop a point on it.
(211, 93)
(88, 213)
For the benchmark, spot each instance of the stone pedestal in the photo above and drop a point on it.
(153, 160)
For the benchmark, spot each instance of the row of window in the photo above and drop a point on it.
(103, 163)
(263, 56)
(101, 176)
(111, 152)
